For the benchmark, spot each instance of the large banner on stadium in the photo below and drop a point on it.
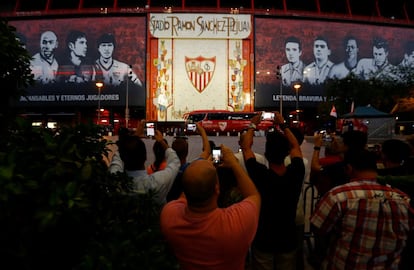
(199, 61)
(71, 55)
(308, 53)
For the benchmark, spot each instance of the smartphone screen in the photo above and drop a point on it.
(150, 129)
(191, 127)
(216, 155)
(268, 116)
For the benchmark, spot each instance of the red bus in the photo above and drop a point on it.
(225, 122)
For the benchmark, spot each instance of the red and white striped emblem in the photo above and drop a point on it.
(200, 70)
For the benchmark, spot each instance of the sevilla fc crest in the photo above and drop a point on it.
(200, 70)
(222, 125)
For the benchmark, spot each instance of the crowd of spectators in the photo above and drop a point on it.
(245, 211)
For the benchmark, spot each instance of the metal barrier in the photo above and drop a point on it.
(308, 208)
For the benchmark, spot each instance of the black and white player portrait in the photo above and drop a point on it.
(108, 69)
(76, 66)
(344, 68)
(292, 71)
(378, 66)
(44, 65)
(317, 72)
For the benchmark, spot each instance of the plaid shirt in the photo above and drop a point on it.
(370, 224)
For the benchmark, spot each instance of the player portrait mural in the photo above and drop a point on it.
(70, 55)
(308, 52)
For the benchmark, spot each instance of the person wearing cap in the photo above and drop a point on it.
(109, 70)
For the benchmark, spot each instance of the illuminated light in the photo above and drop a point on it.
(268, 73)
(104, 121)
(51, 124)
(257, 72)
(234, 11)
(297, 86)
(36, 124)
(247, 98)
(99, 85)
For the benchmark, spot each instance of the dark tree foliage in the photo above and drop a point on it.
(15, 73)
(15, 77)
(382, 93)
(60, 208)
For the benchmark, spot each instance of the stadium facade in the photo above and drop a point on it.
(169, 58)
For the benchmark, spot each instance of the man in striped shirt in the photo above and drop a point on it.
(368, 222)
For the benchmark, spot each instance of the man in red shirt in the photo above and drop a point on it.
(202, 235)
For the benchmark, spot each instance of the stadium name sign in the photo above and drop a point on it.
(216, 26)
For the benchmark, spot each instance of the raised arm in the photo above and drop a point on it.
(246, 139)
(295, 150)
(315, 165)
(206, 145)
(160, 139)
(140, 131)
(245, 184)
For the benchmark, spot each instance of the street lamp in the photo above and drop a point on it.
(297, 86)
(99, 85)
(279, 77)
(129, 75)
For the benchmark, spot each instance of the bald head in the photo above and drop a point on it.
(200, 181)
(48, 44)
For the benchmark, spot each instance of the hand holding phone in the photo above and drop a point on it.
(150, 128)
(216, 155)
(191, 127)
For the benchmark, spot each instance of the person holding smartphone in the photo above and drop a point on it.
(133, 154)
(202, 235)
(280, 187)
(180, 145)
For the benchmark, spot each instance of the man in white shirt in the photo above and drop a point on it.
(293, 71)
(132, 157)
(378, 66)
(408, 60)
(43, 64)
(109, 70)
(316, 72)
(239, 155)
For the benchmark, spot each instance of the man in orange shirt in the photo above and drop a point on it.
(202, 235)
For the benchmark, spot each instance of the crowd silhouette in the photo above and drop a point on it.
(246, 211)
